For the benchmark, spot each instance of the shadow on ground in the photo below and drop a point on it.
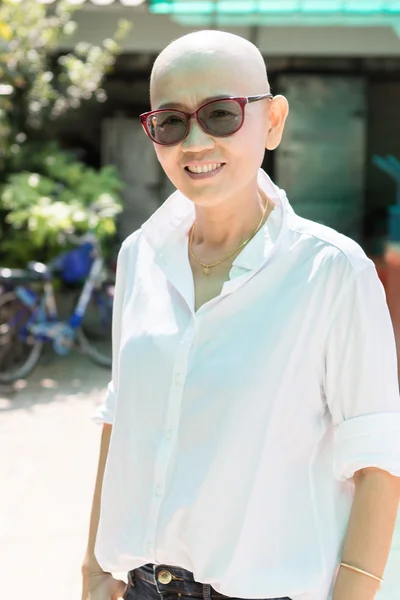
(55, 378)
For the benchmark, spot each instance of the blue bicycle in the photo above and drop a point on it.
(29, 316)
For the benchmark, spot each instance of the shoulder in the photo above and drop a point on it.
(329, 248)
(130, 243)
(129, 247)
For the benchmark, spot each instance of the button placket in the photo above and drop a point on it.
(178, 379)
(167, 445)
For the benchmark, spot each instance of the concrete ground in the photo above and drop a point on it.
(48, 449)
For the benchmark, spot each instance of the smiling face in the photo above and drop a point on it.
(192, 72)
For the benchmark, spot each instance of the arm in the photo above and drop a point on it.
(362, 392)
(105, 416)
(369, 533)
(96, 583)
(90, 563)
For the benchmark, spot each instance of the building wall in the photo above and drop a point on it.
(150, 33)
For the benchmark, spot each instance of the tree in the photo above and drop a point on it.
(38, 86)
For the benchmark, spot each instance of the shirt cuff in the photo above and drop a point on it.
(367, 441)
(105, 412)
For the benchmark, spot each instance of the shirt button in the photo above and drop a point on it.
(158, 490)
(178, 379)
(149, 546)
(169, 434)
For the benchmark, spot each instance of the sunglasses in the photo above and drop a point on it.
(219, 118)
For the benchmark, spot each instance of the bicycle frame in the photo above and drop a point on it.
(44, 324)
(44, 309)
(76, 318)
(34, 318)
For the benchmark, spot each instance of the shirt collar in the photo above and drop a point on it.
(175, 217)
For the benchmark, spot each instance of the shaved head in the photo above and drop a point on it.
(218, 50)
(190, 75)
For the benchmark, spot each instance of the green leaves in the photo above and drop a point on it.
(45, 191)
(66, 196)
(42, 88)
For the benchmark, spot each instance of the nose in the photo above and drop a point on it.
(197, 139)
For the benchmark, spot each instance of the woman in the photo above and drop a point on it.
(251, 427)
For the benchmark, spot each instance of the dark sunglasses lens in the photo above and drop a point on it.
(166, 127)
(222, 117)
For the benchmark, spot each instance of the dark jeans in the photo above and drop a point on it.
(164, 582)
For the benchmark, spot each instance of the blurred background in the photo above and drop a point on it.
(77, 176)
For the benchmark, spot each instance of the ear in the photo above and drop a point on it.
(278, 111)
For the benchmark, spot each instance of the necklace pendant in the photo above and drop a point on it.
(207, 270)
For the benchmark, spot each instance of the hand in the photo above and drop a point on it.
(102, 586)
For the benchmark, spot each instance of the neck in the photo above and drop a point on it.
(230, 223)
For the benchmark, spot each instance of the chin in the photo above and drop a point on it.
(204, 195)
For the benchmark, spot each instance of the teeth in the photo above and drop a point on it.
(204, 168)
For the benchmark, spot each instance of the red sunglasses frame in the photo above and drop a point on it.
(241, 100)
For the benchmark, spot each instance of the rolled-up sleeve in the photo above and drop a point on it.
(361, 380)
(106, 411)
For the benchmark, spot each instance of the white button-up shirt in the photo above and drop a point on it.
(237, 428)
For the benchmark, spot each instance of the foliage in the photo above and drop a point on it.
(66, 197)
(35, 85)
(43, 190)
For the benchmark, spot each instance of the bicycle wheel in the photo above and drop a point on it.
(19, 350)
(94, 334)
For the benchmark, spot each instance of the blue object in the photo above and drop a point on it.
(394, 223)
(75, 264)
(27, 296)
(34, 317)
(391, 166)
(64, 340)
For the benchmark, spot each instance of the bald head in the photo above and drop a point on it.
(216, 51)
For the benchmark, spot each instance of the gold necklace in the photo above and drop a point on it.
(207, 268)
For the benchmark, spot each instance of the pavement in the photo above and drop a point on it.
(49, 448)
